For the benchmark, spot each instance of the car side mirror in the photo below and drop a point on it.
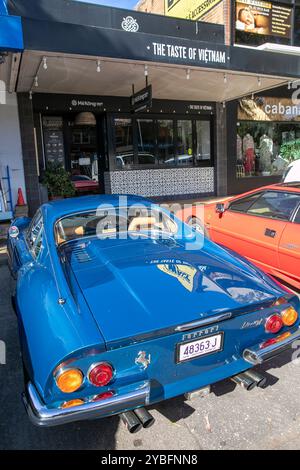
(13, 232)
(220, 208)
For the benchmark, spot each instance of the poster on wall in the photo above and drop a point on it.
(268, 109)
(189, 9)
(263, 18)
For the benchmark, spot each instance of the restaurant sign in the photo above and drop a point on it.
(268, 109)
(141, 100)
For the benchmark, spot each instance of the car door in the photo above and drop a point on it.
(289, 248)
(253, 226)
(21, 248)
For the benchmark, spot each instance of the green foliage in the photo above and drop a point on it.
(58, 182)
(290, 150)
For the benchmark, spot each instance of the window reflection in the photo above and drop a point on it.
(185, 142)
(203, 141)
(146, 142)
(165, 142)
(124, 143)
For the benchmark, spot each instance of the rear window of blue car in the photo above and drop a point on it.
(112, 222)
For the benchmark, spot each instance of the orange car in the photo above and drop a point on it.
(263, 225)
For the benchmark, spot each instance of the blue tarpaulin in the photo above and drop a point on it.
(3, 7)
(11, 34)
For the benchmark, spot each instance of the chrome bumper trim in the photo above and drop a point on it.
(256, 355)
(40, 415)
(204, 322)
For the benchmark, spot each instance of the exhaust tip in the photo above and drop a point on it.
(131, 422)
(259, 379)
(244, 381)
(145, 417)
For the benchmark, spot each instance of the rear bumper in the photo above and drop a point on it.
(40, 415)
(139, 395)
(255, 355)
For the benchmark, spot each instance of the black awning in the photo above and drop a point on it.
(86, 14)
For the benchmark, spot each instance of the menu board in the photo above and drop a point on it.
(263, 18)
(54, 140)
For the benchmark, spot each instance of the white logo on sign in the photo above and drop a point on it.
(130, 25)
(74, 103)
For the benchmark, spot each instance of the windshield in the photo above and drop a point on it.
(114, 221)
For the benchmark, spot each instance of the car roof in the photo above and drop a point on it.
(55, 210)
(290, 187)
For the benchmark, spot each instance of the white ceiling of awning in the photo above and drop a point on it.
(78, 75)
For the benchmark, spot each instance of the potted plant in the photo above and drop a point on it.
(58, 183)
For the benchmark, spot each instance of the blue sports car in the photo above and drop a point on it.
(120, 305)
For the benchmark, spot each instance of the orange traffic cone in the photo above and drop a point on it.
(20, 201)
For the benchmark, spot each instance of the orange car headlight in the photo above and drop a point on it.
(289, 316)
(69, 380)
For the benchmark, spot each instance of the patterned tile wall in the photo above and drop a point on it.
(165, 182)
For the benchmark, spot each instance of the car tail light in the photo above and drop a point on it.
(280, 301)
(267, 343)
(289, 316)
(72, 403)
(69, 380)
(101, 374)
(103, 396)
(274, 324)
(279, 338)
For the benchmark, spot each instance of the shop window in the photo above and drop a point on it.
(146, 142)
(151, 142)
(185, 143)
(203, 151)
(123, 143)
(165, 141)
(275, 205)
(266, 148)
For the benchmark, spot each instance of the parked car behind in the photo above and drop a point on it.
(121, 306)
(292, 173)
(84, 184)
(263, 225)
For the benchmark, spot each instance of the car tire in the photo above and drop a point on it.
(198, 225)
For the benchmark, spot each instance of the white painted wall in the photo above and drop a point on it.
(10, 144)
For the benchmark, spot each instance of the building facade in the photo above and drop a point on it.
(161, 108)
(12, 175)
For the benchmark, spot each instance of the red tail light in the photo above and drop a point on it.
(274, 324)
(103, 396)
(101, 374)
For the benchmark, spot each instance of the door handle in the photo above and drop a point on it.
(270, 233)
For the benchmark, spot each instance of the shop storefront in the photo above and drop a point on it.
(267, 138)
(165, 151)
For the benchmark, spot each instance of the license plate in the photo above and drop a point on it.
(200, 347)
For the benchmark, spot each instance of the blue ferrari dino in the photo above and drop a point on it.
(120, 305)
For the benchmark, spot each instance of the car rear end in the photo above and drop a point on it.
(136, 372)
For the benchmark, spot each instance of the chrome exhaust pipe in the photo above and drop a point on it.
(244, 381)
(145, 417)
(131, 421)
(260, 380)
